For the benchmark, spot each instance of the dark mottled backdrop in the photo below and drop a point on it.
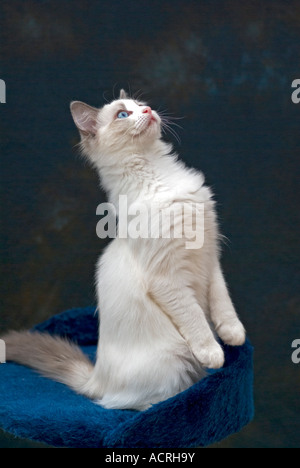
(227, 68)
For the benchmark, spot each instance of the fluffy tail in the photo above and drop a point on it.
(54, 357)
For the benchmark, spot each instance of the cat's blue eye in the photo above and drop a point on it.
(123, 115)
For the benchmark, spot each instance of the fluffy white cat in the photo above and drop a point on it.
(161, 305)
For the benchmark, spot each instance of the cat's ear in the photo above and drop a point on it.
(123, 94)
(85, 117)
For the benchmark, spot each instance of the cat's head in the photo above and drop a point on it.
(123, 123)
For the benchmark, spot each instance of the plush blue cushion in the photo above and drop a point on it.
(37, 408)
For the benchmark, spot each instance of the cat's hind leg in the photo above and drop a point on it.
(222, 312)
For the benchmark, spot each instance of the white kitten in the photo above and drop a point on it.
(156, 298)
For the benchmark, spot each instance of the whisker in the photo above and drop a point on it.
(77, 145)
(129, 88)
(138, 94)
(104, 97)
(172, 131)
(170, 116)
(168, 121)
(114, 88)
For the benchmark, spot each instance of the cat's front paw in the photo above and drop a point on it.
(232, 332)
(210, 356)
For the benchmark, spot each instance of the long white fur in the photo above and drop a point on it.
(160, 304)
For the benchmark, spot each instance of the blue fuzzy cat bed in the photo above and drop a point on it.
(37, 408)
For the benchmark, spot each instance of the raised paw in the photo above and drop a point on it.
(210, 356)
(232, 332)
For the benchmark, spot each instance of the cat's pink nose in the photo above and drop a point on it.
(147, 110)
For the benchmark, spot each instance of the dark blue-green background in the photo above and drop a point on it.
(227, 68)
